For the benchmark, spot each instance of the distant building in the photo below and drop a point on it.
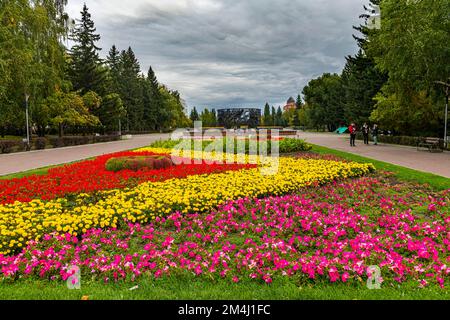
(290, 105)
(232, 118)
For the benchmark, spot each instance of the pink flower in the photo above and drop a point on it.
(345, 277)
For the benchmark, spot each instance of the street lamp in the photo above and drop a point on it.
(27, 97)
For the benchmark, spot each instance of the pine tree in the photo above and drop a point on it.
(85, 72)
(279, 118)
(161, 114)
(131, 90)
(267, 116)
(194, 115)
(213, 118)
(273, 116)
(299, 103)
(361, 79)
(113, 62)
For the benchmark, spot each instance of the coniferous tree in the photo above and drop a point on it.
(113, 63)
(267, 116)
(273, 116)
(361, 79)
(161, 114)
(279, 121)
(299, 103)
(361, 82)
(131, 90)
(194, 115)
(213, 118)
(85, 69)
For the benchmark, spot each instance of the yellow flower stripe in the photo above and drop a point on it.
(22, 222)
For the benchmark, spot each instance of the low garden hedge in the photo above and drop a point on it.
(287, 145)
(138, 163)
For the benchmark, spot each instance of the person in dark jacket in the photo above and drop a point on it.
(375, 133)
(352, 130)
(365, 132)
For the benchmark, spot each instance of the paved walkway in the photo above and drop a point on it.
(24, 161)
(437, 163)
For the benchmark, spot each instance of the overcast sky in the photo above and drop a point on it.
(230, 53)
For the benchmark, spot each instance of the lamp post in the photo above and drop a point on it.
(27, 97)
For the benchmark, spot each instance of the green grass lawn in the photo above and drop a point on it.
(436, 182)
(38, 172)
(11, 138)
(192, 288)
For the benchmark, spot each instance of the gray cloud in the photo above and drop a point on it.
(221, 53)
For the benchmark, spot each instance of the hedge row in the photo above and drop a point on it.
(8, 146)
(399, 140)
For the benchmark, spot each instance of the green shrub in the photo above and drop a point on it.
(6, 146)
(40, 143)
(138, 163)
(109, 138)
(287, 145)
(290, 145)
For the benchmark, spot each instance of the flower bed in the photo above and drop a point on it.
(24, 221)
(327, 234)
(91, 175)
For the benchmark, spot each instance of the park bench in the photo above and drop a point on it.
(432, 144)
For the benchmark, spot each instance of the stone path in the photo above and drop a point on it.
(18, 162)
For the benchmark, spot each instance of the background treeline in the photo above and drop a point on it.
(392, 79)
(73, 89)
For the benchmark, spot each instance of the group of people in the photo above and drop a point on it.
(366, 130)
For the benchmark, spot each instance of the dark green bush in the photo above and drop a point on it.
(103, 139)
(40, 143)
(6, 146)
(400, 140)
(287, 145)
(290, 145)
(138, 163)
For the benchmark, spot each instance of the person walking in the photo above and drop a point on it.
(365, 132)
(375, 133)
(352, 130)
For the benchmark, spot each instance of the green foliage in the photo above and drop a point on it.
(31, 56)
(267, 117)
(278, 119)
(138, 163)
(68, 109)
(174, 111)
(40, 143)
(85, 65)
(361, 82)
(111, 111)
(289, 145)
(412, 47)
(194, 115)
(6, 146)
(209, 118)
(324, 99)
